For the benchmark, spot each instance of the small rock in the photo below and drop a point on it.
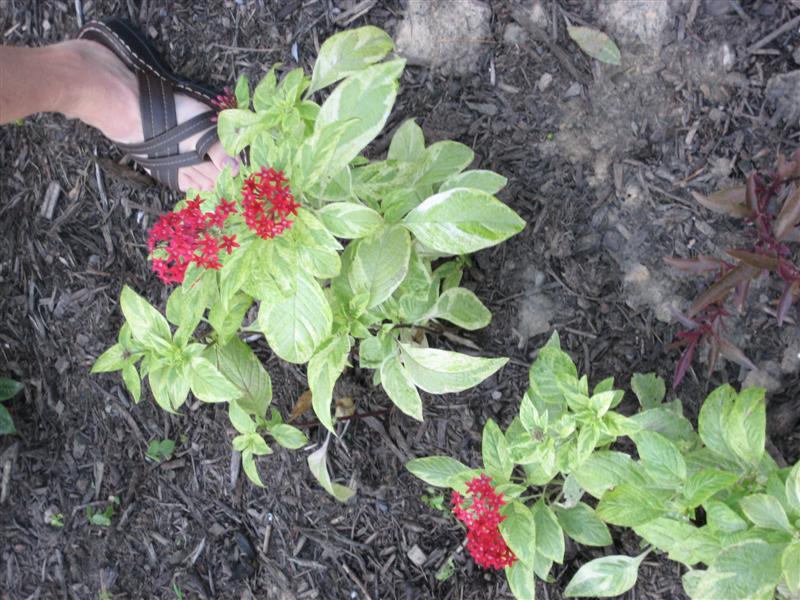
(544, 81)
(449, 33)
(790, 363)
(62, 364)
(573, 90)
(783, 90)
(796, 55)
(497, 394)
(728, 57)
(536, 311)
(514, 34)
(644, 20)
(539, 14)
(417, 556)
(762, 378)
(78, 448)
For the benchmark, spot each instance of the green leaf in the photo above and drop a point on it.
(659, 456)
(649, 389)
(350, 220)
(519, 531)
(606, 469)
(790, 564)
(460, 221)
(148, 326)
(765, 511)
(438, 471)
(495, 452)
(242, 92)
(750, 569)
(520, 581)
(683, 541)
(596, 44)
(170, 387)
(400, 389)
(10, 388)
(443, 372)
(604, 577)
(347, 52)
(130, 376)
(380, 264)
(297, 324)
(706, 483)
(442, 160)
(318, 464)
(549, 535)
(668, 423)
(237, 362)
(367, 98)
(250, 468)
(288, 436)
(582, 525)
(629, 505)
(461, 307)
(208, 384)
(793, 488)
(408, 142)
(240, 419)
(324, 369)
(237, 128)
(723, 518)
(744, 425)
(710, 420)
(112, 359)
(265, 90)
(226, 320)
(486, 181)
(6, 422)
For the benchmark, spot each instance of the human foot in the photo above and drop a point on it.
(106, 96)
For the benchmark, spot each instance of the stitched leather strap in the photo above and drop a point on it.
(157, 87)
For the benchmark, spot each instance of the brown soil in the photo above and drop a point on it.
(181, 524)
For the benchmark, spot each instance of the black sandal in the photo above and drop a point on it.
(159, 151)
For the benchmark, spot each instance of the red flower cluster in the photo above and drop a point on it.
(482, 518)
(224, 101)
(186, 237)
(267, 203)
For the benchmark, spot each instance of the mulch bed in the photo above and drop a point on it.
(74, 233)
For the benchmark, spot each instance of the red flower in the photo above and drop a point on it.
(482, 518)
(185, 236)
(229, 243)
(224, 101)
(267, 203)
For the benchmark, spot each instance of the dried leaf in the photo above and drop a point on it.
(301, 407)
(759, 261)
(596, 44)
(345, 407)
(721, 288)
(730, 201)
(789, 216)
(682, 319)
(789, 169)
(787, 299)
(751, 198)
(701, 264)
(732, 353)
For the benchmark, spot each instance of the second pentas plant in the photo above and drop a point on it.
(334, 258)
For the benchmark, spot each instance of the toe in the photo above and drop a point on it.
(218, 156)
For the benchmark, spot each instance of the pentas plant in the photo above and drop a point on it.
(713, 500)
(770, 205)
(333, 258)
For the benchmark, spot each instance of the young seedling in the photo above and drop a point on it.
(769, 205)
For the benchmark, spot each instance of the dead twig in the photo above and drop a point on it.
(779, 31)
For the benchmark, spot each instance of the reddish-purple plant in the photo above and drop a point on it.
(770, 206)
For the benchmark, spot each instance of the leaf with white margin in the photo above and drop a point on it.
(460, 221)
(443, 372)
(318, 464)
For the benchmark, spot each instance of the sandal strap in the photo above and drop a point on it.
(208, 139)
(177, 134)
(170, 163)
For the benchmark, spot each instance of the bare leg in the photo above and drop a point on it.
(83, 80)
